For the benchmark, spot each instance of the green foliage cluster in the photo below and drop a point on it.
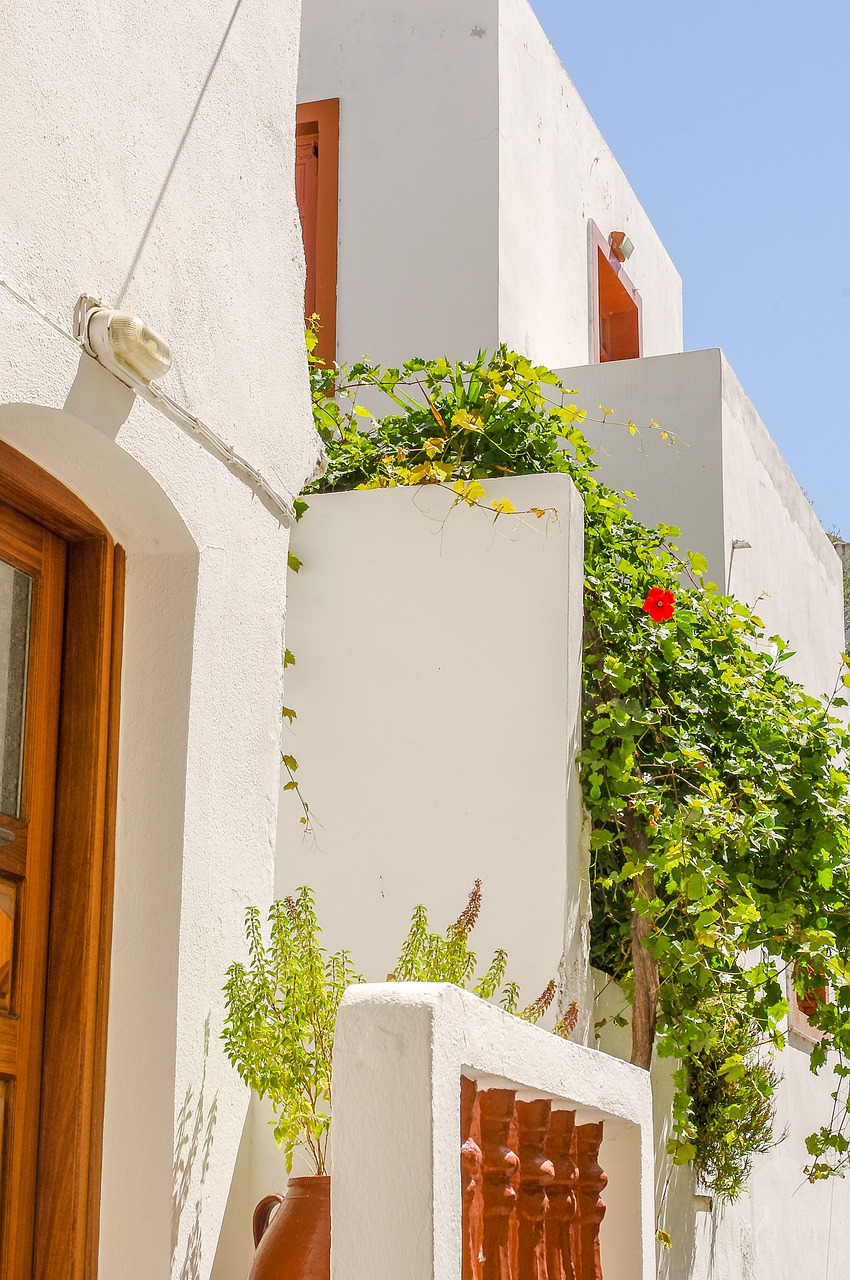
(281, 1013)
(281, 1007)
(435, 957)
(717, 787)
(719, 1098)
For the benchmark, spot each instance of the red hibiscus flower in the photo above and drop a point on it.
(659, 604)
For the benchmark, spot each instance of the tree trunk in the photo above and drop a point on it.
(644, 964)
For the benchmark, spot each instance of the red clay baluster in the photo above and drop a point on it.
(535, 1174)
(470, 1172)
(499, 1163)
(562, 1196)
(591, 1183)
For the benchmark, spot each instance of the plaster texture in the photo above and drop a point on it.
(399, 1052)
(148, 153)
(437, 688)
(469, 172)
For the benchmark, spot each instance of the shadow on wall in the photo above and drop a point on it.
(674, 1188)
(192, 1149)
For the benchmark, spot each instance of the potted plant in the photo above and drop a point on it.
(278, 1034)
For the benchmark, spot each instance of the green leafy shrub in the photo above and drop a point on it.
(279, 1027)
(436, 957)
(281, 1007)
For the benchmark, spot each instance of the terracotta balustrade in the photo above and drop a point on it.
(531, 1185)
(470, 1165)
(498, 1166)
(560, 1143)
(591, 1182)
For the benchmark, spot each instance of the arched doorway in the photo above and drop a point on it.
(61, 604)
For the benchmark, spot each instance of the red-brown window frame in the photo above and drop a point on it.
(322, 118)
(598, 244)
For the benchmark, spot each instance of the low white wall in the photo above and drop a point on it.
(399, 1053)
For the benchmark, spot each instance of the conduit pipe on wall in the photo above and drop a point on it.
(85, 310)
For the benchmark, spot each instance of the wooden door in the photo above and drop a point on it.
(32, 605)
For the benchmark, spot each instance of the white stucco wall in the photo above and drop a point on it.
(437, 690)
(469, 168)
(556, 172)
(148, 155)
(418, 180)
(722, 480)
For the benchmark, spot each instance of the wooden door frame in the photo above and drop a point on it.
(74, 1063)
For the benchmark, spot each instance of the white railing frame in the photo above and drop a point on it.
(399, 1052)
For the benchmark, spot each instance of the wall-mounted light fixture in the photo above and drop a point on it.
(621, 246)
(738, 544)
(121, 342)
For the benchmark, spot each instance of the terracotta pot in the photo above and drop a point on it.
(292, 1233)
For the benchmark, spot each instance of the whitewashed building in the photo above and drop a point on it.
(147, 162)
(473, 201)
(453, 193)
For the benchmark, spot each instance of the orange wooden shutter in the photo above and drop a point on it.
(317, 194)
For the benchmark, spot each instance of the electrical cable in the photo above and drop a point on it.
(186, 421)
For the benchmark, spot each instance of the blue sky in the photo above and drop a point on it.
(732, 123)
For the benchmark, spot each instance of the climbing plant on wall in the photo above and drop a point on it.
(716, 786)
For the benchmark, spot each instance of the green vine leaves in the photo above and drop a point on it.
(716, 785)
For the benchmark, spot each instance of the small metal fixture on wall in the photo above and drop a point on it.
(621, 246)
(738, 544)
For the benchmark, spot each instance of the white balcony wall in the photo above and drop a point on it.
(437, 686)
(469, 170)
(722, 480)
(399, 1053)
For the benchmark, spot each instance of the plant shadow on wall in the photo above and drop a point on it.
(716, 786)
(192, 1149)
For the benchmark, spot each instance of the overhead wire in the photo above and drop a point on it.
(185, 420)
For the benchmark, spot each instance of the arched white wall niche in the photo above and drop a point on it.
(196, 813)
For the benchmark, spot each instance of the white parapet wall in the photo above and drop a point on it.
(437, 686)
(399, 1053)
(723, 482)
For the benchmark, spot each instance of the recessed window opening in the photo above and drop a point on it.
(616, 310)
(619, 314)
